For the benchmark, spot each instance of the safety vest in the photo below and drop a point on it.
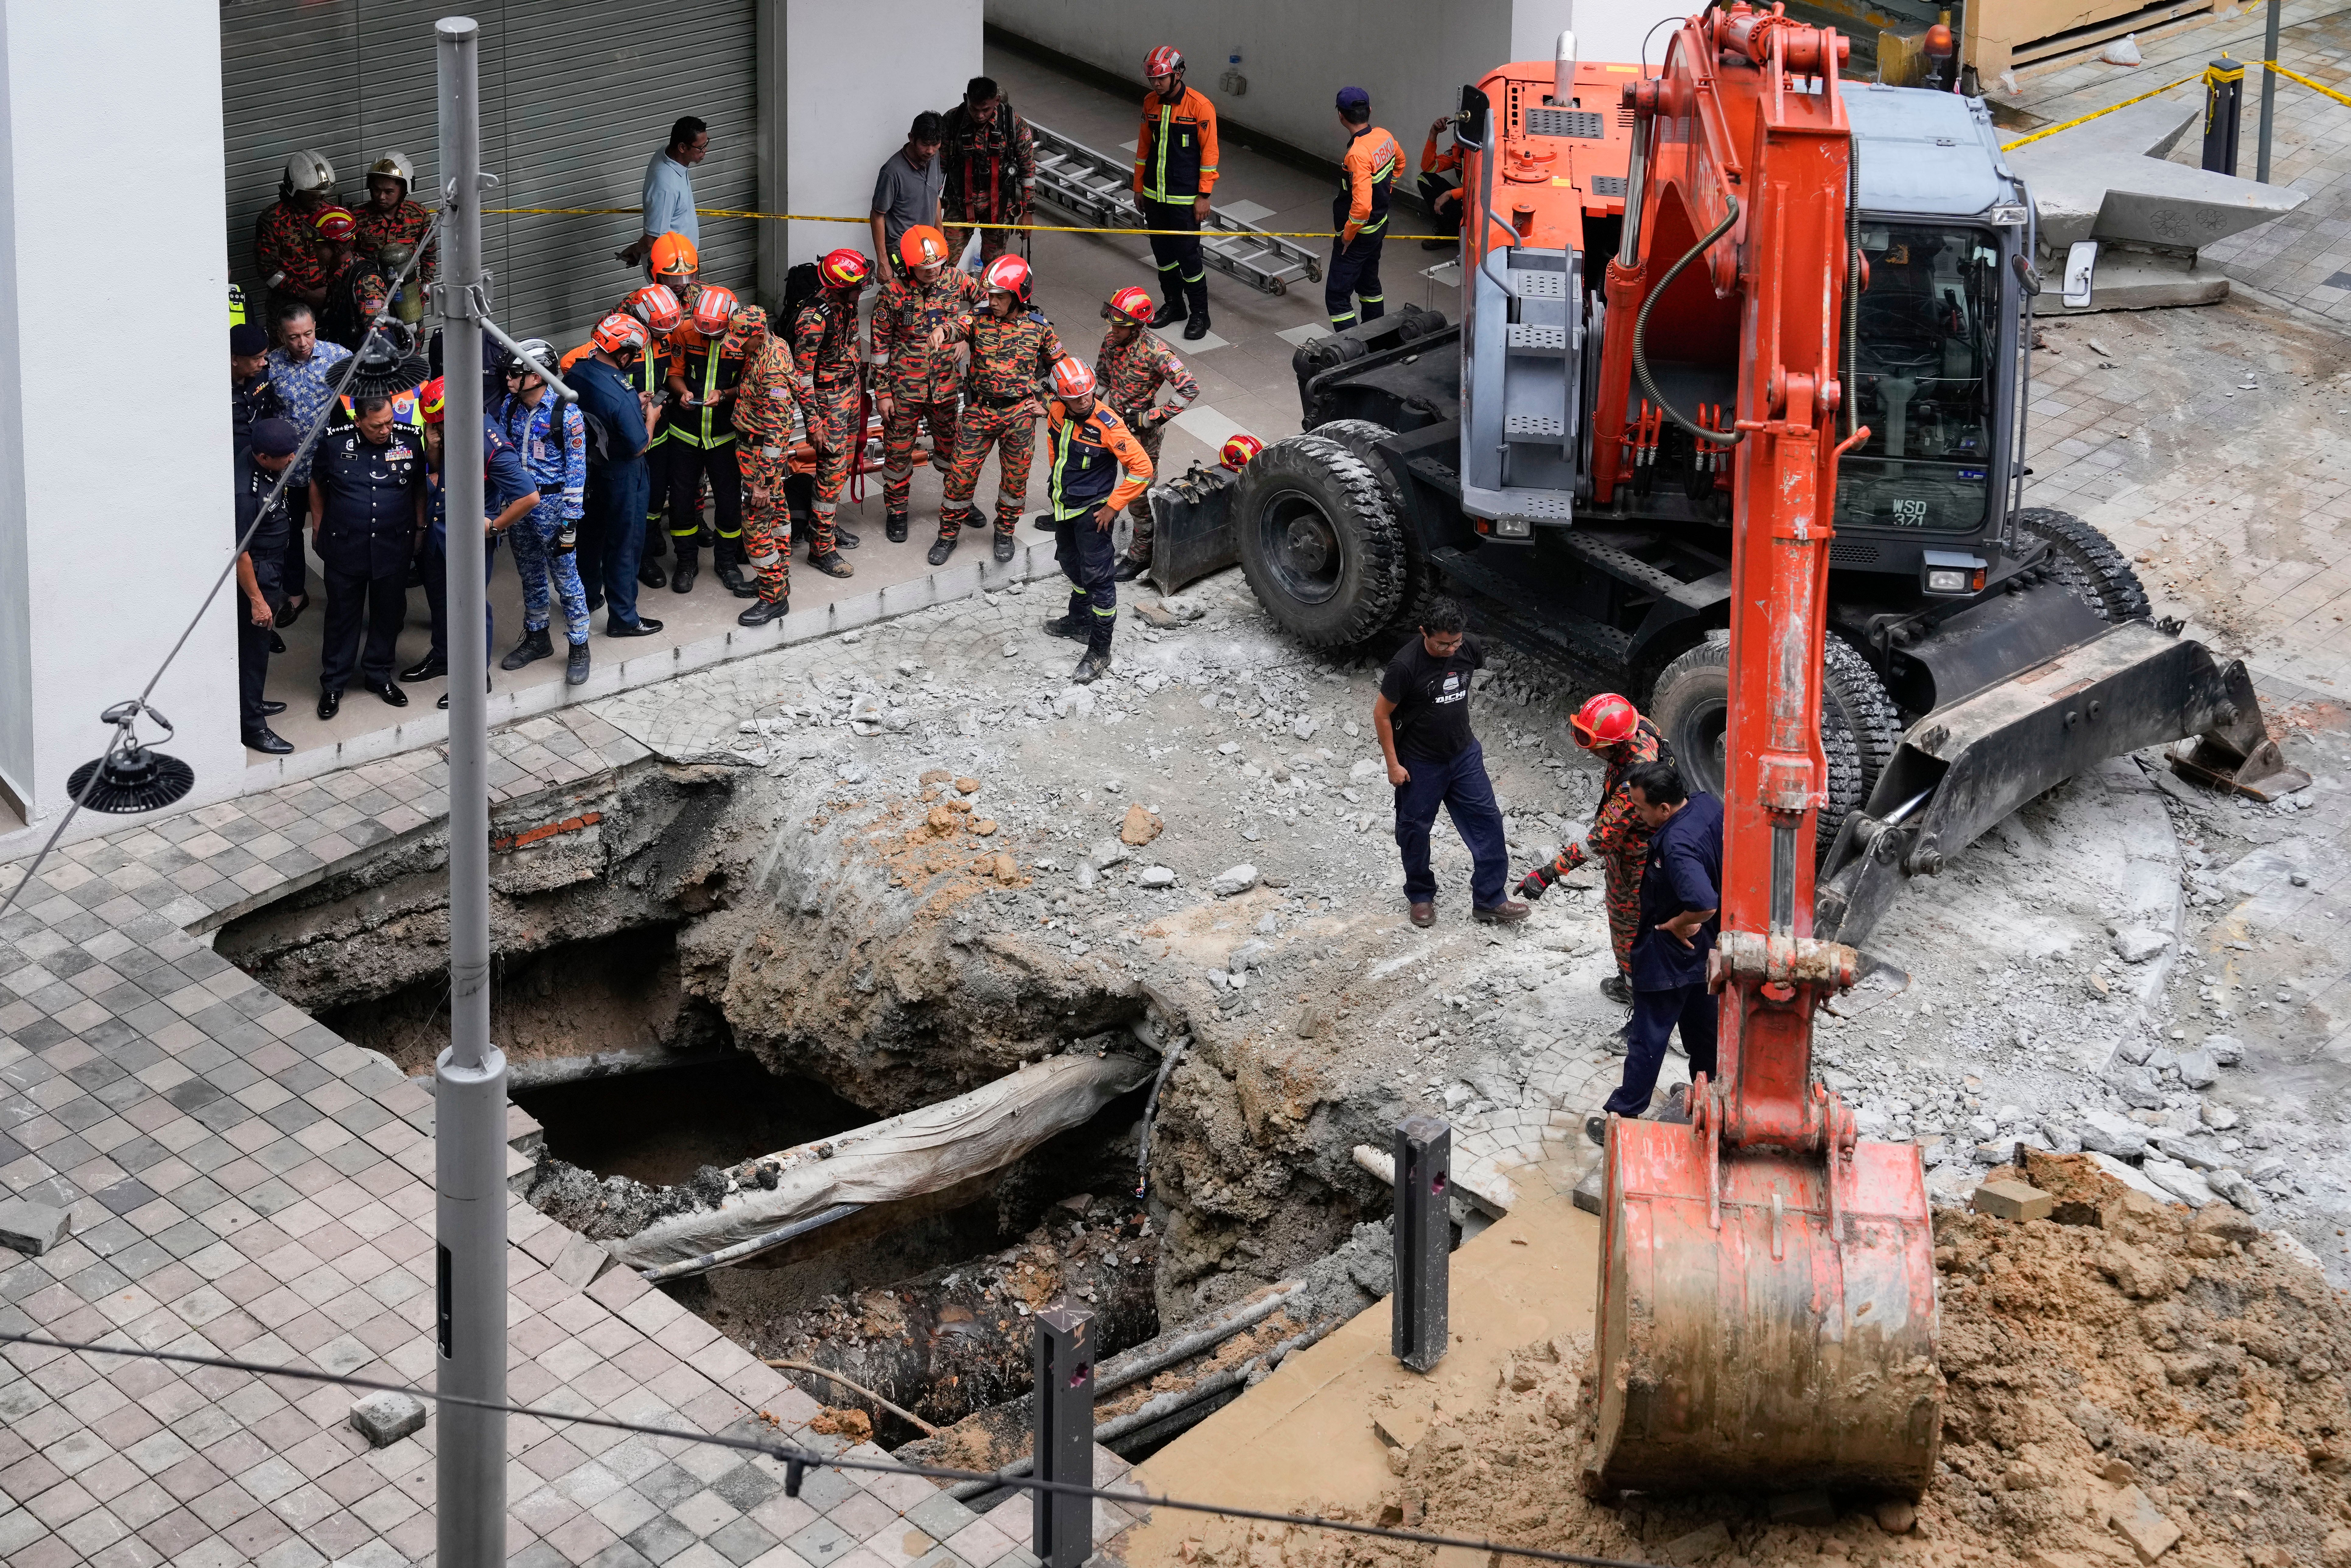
(707, 426)
(1084, 468)
(235, 306)
(405, 409)
(651, 377)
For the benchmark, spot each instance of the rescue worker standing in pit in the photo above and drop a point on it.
(1096, 468)
(915, 384)
(1175, 171)
(1130, 369)
(1613, 730)
(833, 395)
(766, 408)
(704, 373)
(1013, 347)
(1367, 179)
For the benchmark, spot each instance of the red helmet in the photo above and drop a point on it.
(922, 245)
(1072, 379)
(1164, 60)
(844, 269)
(430, 401)
(1007, 274)
(1239, 451)
(1131, 304)
(1603, 721)
(617, 332)
(656, 305)
(714, 312)
(335, 224)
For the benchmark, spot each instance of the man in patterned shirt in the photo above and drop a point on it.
(765, 412)
(1614, 729)
(1131, 369)
(303, 371)
(832, 393)
(913, 383)
(284, 242)
(1013, 347)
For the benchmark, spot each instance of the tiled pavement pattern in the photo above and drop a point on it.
(245, 1183)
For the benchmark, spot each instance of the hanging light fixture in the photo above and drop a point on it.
(131, 777)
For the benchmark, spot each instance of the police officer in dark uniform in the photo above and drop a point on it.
(261, 533)
(252, 395)
(367, 500)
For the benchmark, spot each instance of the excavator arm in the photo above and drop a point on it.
(1767, 1294)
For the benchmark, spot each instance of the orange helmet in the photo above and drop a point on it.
(1072, 379)
(844, 269)
(430, 399)
(1008, 275)
(1603, 721)
(1130, 303)
(335, 224)
(1239, 451)
(1164, 60)
(922, 245)
(712, 310)
(617, 332)
(656, 305)
(673, 253)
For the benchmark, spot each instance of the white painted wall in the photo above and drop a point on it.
(1410, 56)
(856, 74)
(115, 512)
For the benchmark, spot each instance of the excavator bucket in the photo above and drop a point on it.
(1192, 528)
(1767, 1320)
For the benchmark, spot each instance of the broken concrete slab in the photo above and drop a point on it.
(2182, 1183)
(2197, 1069)
(2131, 1176)
(2138, 1521)
(2107, 1132)
(2232, 1185)
(1234, 880)
(32, 1228)
(2137, 944)
(2013, 1200)
(385, 1416)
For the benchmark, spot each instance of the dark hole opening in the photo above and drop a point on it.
(659, 1128)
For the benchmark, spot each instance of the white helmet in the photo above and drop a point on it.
(396, 166)
(307, 173)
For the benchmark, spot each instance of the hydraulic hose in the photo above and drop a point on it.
(1641, 335)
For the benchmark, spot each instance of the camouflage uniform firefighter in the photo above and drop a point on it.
(1131, 369)
(915, 384)
(1614, 729)
(766, 407)
(832, 393)
(1013, 349)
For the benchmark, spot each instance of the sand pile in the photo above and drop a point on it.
(2128, 1383)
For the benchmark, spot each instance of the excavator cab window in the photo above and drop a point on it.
(1925, 352)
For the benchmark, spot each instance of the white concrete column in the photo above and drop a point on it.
(115, 512)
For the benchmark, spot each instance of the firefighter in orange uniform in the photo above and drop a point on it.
(766, 408)
(833, 395)
(1096, 468)
(1013, 347)
(913, 383)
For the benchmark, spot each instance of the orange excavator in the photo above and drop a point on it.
(1766, 471)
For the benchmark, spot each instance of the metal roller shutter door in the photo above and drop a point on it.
(574, 99)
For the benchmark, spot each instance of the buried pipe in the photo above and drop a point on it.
(1152, 1357)
(549, 1072)
(748, 1247)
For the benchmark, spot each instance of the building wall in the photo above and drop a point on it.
(845, 113)
(115, 513)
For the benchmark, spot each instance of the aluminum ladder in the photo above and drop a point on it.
(1097, 189)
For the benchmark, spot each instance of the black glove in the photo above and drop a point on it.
(1536, 883)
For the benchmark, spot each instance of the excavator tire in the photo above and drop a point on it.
(1690, 706)
(2089, 563)
(1321, 549)
(1422, 582)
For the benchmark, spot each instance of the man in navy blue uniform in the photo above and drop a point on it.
(509, 494)
(611, 542)
(261, 532)
(367, 505)
(1681, 903)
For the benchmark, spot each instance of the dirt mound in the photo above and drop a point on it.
(2137, 1385)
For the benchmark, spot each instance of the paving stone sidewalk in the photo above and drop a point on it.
(242, 1182)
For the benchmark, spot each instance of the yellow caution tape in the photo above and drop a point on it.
(2314, 86)
(1024, 228)
(2085, 119)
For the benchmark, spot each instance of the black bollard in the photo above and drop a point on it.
(1060, 1534)
(2224, 98)
(1423, 1242)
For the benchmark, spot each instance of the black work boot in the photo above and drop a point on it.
(1075, 624)
(680, 577)
(1170, 313)
(894, 529)
(1129, 568)
(1196, 327)
(726, 561)
(843, 538)
(943, 547)
(650, 574)
(764, 611)
(1617, 990)
(1004, 546)
(828, 563)
(1093, 666)
(534, 645)
(575, 669)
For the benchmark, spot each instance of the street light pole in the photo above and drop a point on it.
(2269, 92)
(470, 1078)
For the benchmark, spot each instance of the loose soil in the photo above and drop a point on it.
(2125, 1354)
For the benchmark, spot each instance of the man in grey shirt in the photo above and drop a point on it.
(668, 196)
(906, 192)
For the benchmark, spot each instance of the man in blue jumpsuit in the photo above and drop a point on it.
(1681, 903)
(367, 509)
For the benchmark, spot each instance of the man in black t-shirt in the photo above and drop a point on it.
(1421, 715)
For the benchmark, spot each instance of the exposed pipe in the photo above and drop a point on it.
(703, 1262)
(831, 1376)
(1150, 1117)
(1641, 333)
(1151, 1358)
(1562, 70)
